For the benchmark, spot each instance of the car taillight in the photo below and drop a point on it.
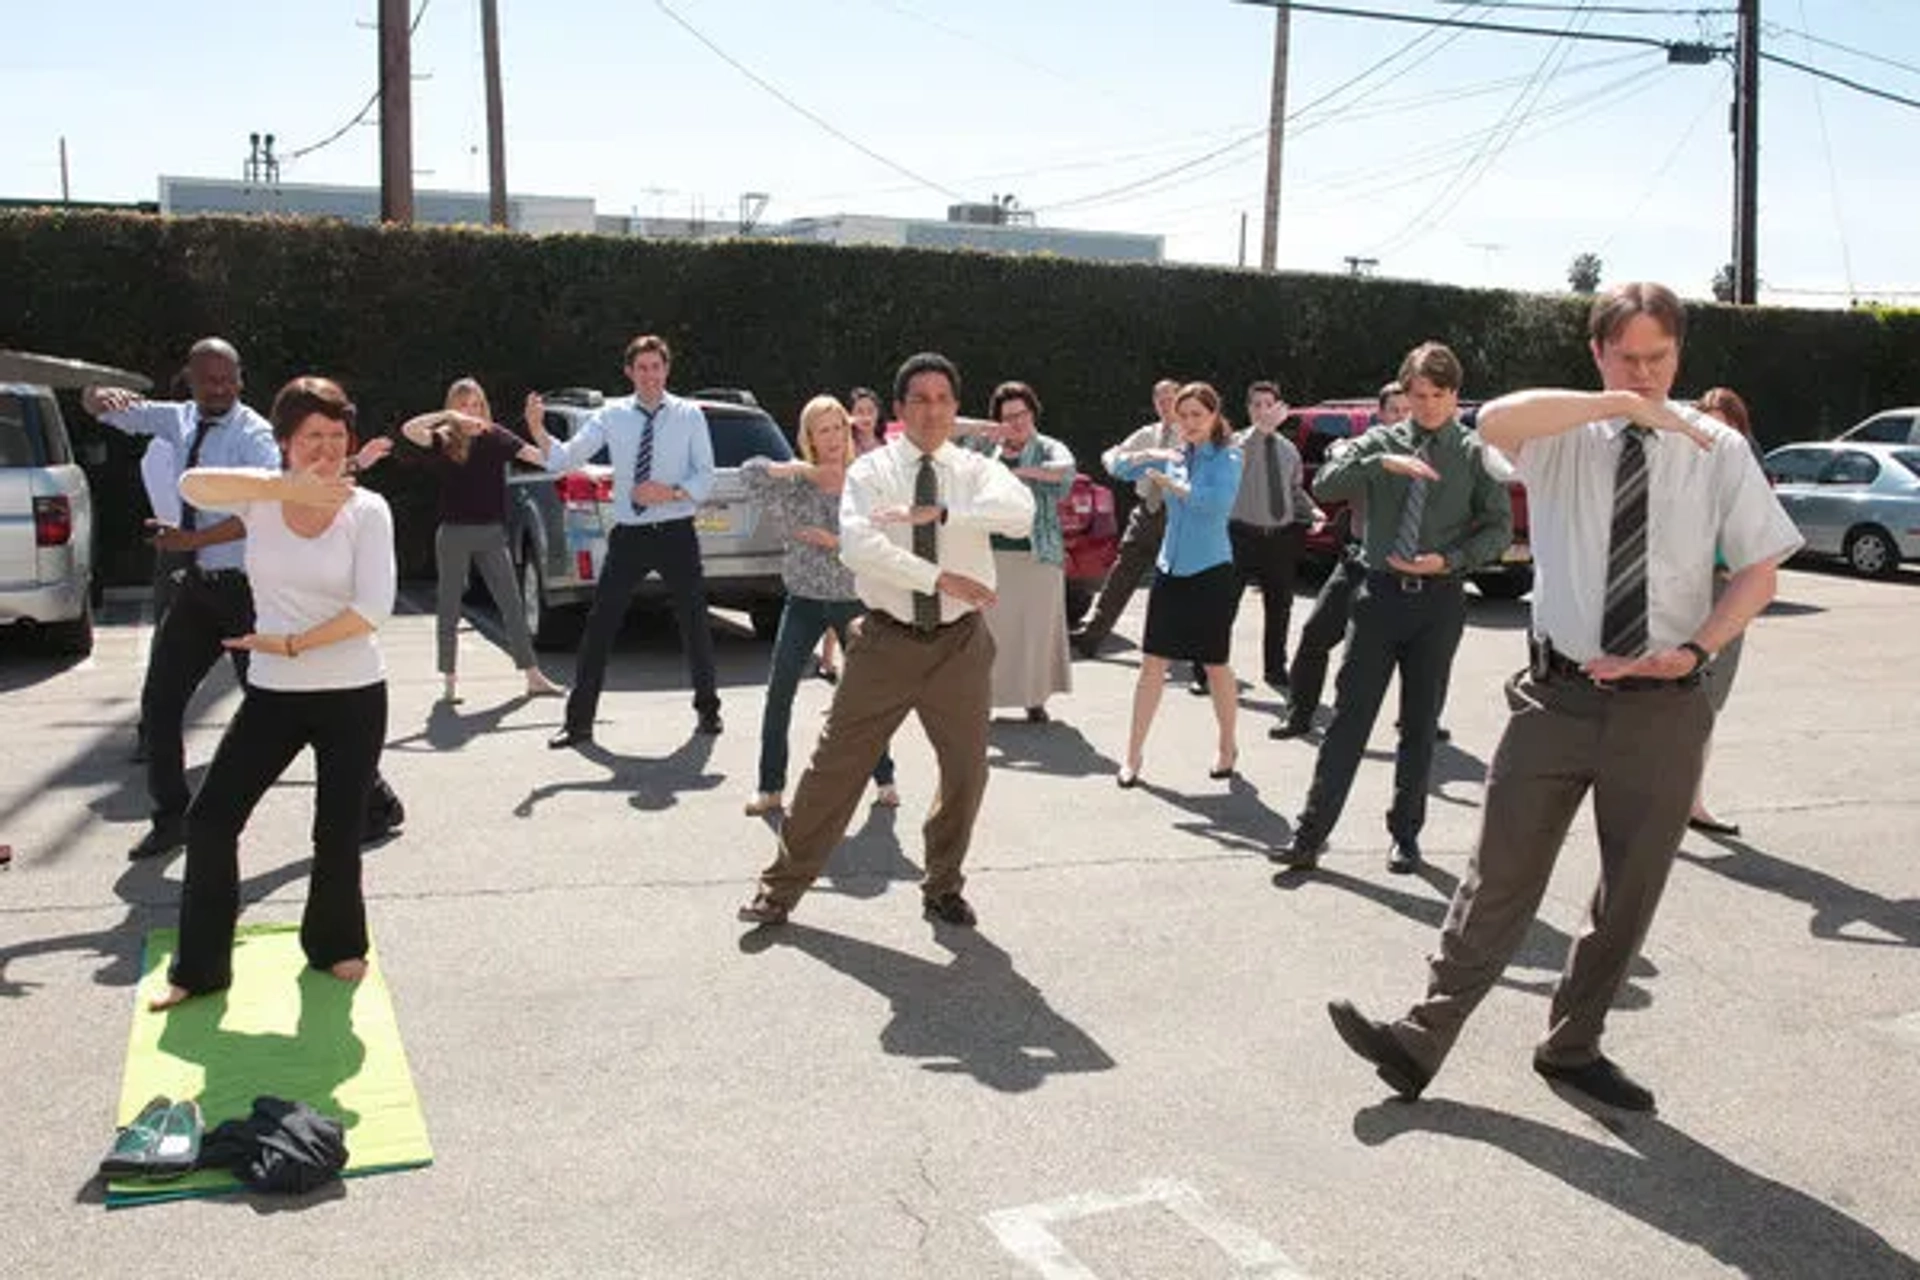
(52, 521)
(583, 564)
(578, 486)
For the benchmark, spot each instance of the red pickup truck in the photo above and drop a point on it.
(1313, 431)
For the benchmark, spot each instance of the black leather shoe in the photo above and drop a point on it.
(1405, 858)
(709, 724)
(1290, 729)
(1198, 687)
(1302, 853)
(571, 738)
(1375, 1042)
(949, 908)
(1084, 643)
(1038, 715)
(1601, 1080)
(166, 835)
(1443, 734)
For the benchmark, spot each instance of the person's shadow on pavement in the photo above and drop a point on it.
(870, 859)
(1753, 1225)
(974, 1015)
(654, 784)
(1836, 904)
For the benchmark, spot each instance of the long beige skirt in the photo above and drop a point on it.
(1029, 628)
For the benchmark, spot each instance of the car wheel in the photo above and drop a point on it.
(73, 638)
(765, 617)
(1509, 584)
(1871, 552)
(550, 628)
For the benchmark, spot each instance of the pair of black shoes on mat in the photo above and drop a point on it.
(162, 1142)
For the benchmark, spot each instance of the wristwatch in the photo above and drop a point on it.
(1700, 656)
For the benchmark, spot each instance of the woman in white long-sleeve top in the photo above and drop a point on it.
(320, 559)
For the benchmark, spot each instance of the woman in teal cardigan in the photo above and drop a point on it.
(1029, 620)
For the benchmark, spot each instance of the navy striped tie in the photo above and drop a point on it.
(1623, 629)
(643, 460)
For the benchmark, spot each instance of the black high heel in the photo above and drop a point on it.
(1233, 767)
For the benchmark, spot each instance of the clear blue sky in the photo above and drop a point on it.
(1476, 159)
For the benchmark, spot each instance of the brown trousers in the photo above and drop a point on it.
(947, 679)
(1641, 755)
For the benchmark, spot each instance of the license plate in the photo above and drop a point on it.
(713, 522)
(1518, 553)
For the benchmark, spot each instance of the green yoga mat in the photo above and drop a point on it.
(284, 1030)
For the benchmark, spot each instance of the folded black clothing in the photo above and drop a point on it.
(284, 1147)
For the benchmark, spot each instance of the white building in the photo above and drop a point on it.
(537, 215)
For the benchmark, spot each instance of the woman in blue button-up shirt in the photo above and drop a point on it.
(1190, 609)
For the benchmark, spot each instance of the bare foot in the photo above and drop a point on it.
(539, 686)
(174, 996)
(349, 970)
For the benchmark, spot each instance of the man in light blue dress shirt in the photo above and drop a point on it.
(212, 602)
(662, 459)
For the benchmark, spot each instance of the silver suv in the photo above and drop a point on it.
(46, 522)
(557, 526)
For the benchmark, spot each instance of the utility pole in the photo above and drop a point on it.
(496, 126)
(396, 113)
(1276, 134)
(64, 194)
(1746, 154)
(1243, 238)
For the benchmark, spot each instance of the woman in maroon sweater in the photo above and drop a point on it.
(470, 452)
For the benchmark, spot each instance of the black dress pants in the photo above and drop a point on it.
(1408, 625)
(345, 728)
(1326, 626)
(1269, 558)
(206, 609)
(671, 549)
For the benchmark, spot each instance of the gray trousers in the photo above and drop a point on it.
(1640, 754)
(1139, 548)
(455, 548)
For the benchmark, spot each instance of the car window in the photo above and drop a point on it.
(738, 436)
(17, 438)
(1851, 467)
(1910, 459)
(1322, 430)
(1887, 428)
(1795, 466)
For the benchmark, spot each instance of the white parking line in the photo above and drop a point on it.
(1026, 1231)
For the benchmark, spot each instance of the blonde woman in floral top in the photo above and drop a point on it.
(803, 498)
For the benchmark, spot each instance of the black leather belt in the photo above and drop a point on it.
(1412, 583)
(1548, 663)
(217, 577)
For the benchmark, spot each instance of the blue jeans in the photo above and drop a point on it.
(802, 623)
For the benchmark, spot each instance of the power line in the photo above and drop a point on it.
(1810, 38)
(1519, 111)
(365, 107)
(795, 107)
(1626, 9)
(1504, 28)
(1242, 140)
(1840, 79)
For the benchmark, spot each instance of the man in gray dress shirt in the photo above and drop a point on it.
(1268, 524)
(1630, 494)
(1145, 526)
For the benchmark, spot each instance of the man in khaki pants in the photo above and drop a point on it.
(1630, 495)
(916, 519)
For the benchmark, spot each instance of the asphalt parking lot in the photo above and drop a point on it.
(1125, 1072)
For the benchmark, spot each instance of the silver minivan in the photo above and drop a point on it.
(46, 522)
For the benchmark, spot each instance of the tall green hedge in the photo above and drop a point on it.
(396, 314)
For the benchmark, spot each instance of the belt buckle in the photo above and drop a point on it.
(1412, 585)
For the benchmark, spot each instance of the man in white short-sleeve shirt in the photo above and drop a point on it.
(1629, 495)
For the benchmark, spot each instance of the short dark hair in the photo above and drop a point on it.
(647, 342)
(1388, 390)
(1435, 362)
(924, 362)
(304, 397)
(858, 394)
(1270, 387)
(1207, 396)
(1614, 308)
(1012, 391)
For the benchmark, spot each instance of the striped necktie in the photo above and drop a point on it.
(643, 460)
(1406, 539)
(189, 514)
(926, 543)
(1623, 628)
